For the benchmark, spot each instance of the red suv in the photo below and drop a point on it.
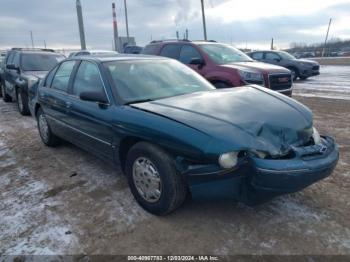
(223, 65)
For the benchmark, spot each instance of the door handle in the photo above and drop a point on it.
(68, 105)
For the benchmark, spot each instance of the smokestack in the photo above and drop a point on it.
(271, 43)
(115, 29)
(81, 25)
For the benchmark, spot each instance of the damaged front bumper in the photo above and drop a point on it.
(256, 180)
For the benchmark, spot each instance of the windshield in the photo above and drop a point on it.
(144, 80)
(286, 55)
(224, 54)
(39, 62)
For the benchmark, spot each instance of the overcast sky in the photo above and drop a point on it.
(243, 23)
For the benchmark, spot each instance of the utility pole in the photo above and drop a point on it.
(31, 37)
(272, 43)
(115, 29)
(126, 20)
(204, 25)
(45, 44)
(325, 41)
(81, 25)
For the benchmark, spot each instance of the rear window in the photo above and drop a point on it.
(39, 62)
(171, 51)
(150, 50)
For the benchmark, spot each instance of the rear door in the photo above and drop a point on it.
(90, 121)
(53, 97)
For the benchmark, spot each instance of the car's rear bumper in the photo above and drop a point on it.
(258, 180)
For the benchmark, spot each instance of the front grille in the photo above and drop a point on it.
(317, 67)
(280, 81)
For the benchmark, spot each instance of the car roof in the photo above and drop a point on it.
(33, 52)
(118, 57)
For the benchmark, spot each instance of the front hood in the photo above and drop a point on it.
(241, 118)
(258, 66)
(37, 74)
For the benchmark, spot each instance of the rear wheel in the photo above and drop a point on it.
(46, 135)
(153, 179)
(5, 96)
(22, 103)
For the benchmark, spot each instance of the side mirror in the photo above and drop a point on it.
(277, 59)
(197, 61)
(92, 96)
(12, 67)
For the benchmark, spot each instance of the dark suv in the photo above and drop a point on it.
(223, 65)
(301, 68)
(23, 68)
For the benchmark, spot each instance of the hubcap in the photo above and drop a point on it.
(43, 128)
(146, 179)
(20, 102)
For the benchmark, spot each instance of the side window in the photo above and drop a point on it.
(272, 56)
(150, 50)
(61, 78)
(87, 79)
(257, 56)
(16, 58)
(188, 53)
(9, 58)
(172, 51)
(49, 77)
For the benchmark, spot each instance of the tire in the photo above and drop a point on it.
(146, 163)
(5, 96)
(220, 85)
(22, 102)
(46, 135)
(295, 73)
(304, 77)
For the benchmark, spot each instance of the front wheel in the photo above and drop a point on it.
(46, 135)
(5, 96)
(153, 179)
(22, 103)
(294, 72)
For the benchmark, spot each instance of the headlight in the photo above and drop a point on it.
(251, 76)
(316, 136)
(305, 64)
(228, 160)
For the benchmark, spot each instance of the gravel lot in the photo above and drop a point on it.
(65, 201)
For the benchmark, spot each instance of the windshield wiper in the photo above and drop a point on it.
(139, 101)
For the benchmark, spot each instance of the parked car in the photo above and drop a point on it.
(23, 69)
(92, 52)
(2, 63)
(132, 49)
(247, 143)
(223, 65)
(301, 68)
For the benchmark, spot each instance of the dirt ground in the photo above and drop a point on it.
(65, 201)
